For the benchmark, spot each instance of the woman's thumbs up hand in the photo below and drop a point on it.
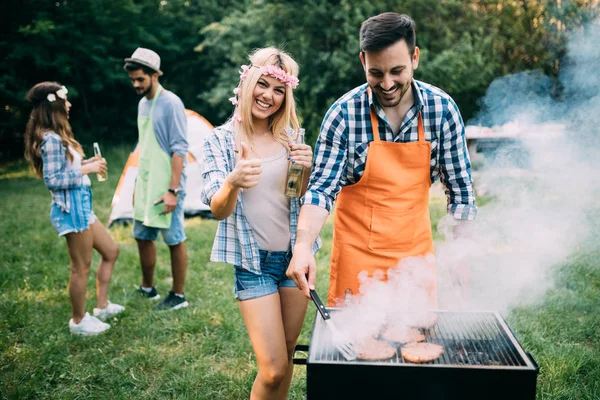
(246, 172)
(245, 151)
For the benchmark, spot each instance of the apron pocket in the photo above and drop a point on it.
(392, 230)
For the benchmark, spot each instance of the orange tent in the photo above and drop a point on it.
(198, 130)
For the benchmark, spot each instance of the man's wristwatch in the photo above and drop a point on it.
(174, 192)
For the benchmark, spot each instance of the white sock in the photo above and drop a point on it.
(179, 295)
(146, 289)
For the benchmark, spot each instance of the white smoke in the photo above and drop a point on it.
(543, 185)
(405, 297)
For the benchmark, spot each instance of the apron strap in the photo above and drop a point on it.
(375, 125)
(374, 120)
(158, 90)
(421, 129)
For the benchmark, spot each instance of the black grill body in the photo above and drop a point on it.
(482, 360)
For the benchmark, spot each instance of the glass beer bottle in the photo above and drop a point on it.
(101, 178)
(295, 174)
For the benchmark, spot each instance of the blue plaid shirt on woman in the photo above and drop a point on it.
(342, 146)
(235, 242)
(59, 177)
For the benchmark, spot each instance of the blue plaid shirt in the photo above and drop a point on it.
(59, 176)
(342, 146)
(235, 242)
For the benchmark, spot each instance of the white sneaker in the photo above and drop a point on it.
(88, 326)
(110, 311)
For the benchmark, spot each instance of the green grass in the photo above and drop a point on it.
(203, 352)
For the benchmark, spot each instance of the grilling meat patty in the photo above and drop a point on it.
(373, 349)
(421, 352)
(423, 320)
(402, 334)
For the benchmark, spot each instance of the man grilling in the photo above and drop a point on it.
(381, 146)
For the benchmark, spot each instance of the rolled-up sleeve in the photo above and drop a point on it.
(54, 158)
(215, 167)
(177, 128)
(329, 161)
(455, 166)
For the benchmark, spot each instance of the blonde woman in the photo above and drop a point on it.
(55, 155)
(245, 176)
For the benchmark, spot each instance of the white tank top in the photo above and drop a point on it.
(266, 206)
(76, 163)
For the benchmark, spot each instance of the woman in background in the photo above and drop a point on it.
(245, 177)
(55, 155)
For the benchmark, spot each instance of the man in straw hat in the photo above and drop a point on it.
(159, 195)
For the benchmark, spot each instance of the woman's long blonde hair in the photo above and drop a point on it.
(285, 118)
(47, 116)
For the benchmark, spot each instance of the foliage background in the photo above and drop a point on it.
(465, 45)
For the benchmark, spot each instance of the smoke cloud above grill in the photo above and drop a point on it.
(542, 184)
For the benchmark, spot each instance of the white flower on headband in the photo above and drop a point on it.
(62, 93)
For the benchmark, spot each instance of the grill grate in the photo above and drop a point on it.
(469, 339)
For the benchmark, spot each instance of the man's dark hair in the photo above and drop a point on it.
(132, 66)
(383, 30)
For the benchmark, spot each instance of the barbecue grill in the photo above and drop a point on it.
(482, 360)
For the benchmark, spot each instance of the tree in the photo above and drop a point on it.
(465, 45)
(82, 44)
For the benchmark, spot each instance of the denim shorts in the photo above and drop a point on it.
(175, 234)
(273, 265)
(80, 216)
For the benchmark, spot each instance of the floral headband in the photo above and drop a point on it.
(274, 71)
(62, 93)
(271, 70)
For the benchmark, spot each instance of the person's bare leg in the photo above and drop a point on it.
(80, 253)
(147, 251)
(262, 317)
(178, 266)
(108, 249)
(293, 311)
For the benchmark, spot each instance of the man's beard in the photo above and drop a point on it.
(147, 90)
(385, 103)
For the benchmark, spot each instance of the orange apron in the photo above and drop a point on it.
(384, 217)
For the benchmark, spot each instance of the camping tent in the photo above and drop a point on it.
(198, 130)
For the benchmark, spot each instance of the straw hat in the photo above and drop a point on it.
(147, 58)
